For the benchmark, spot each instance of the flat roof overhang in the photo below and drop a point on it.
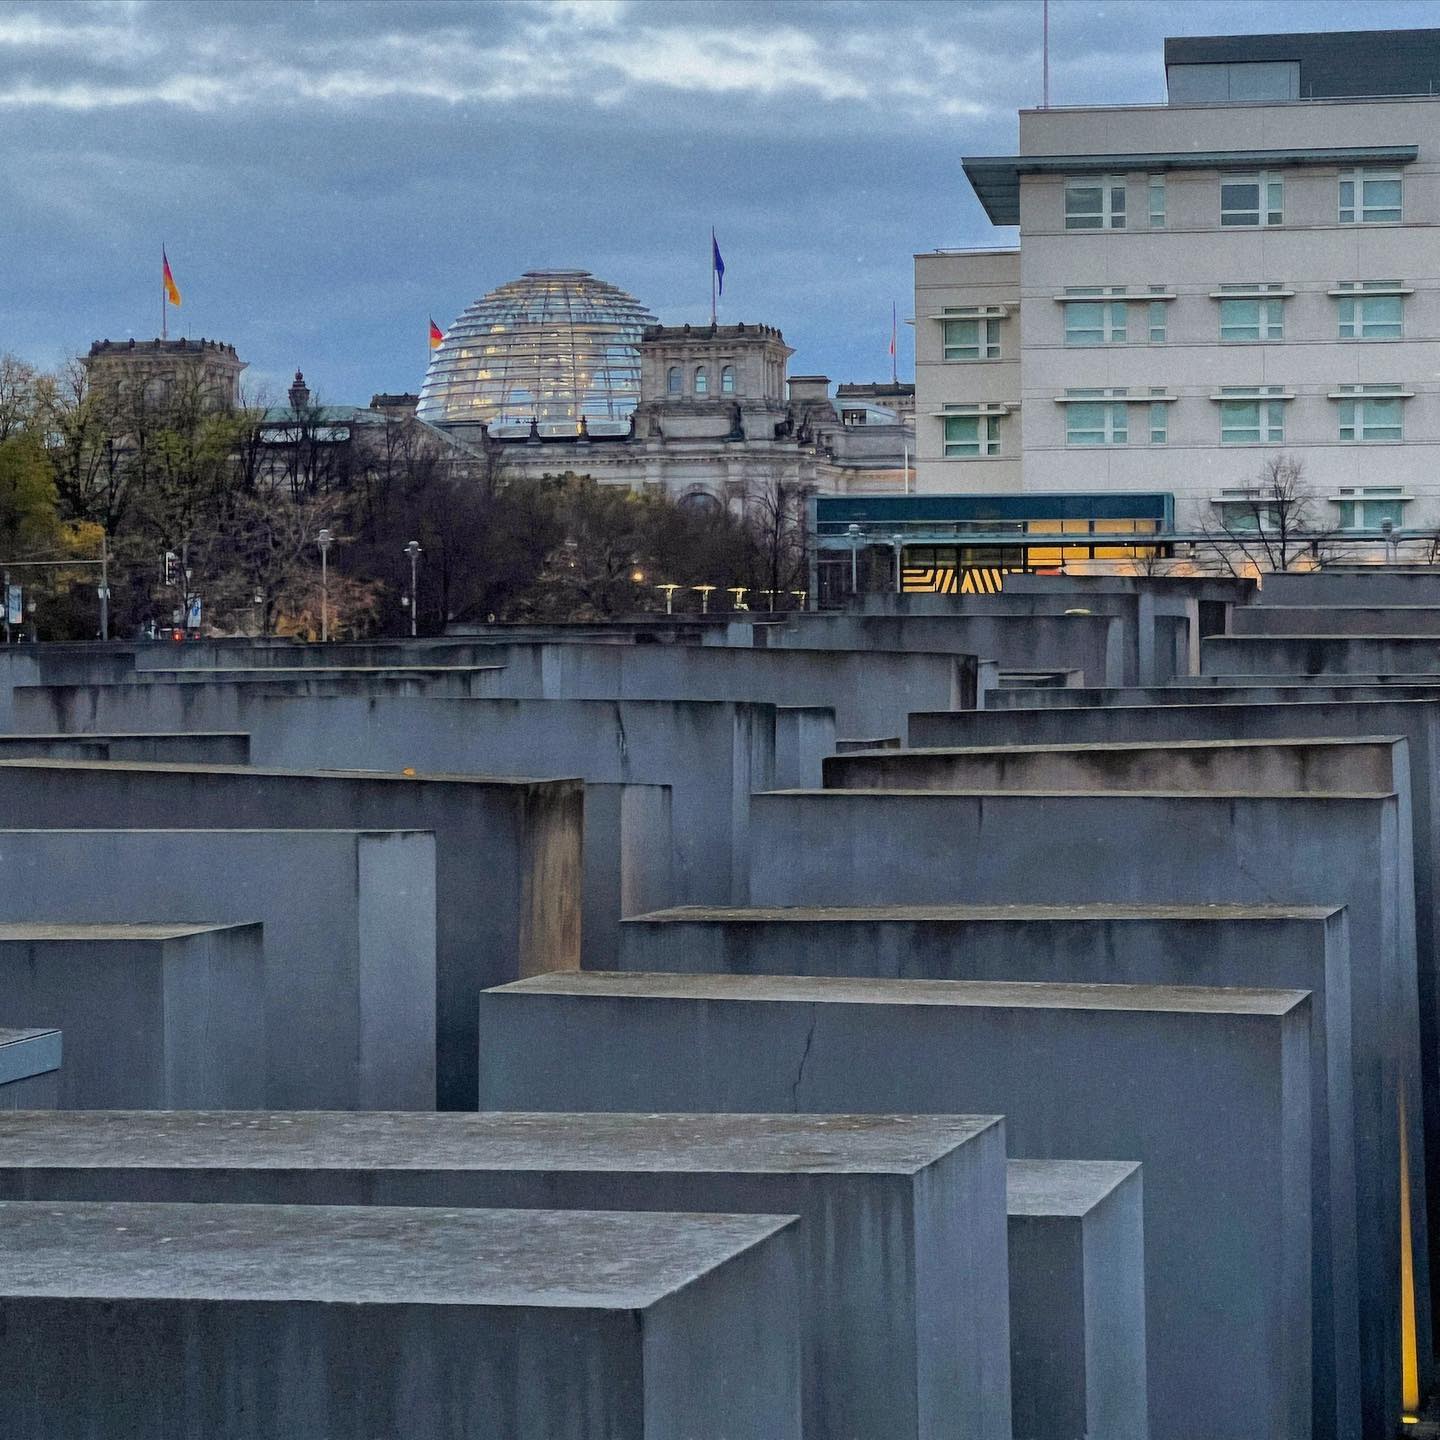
(996, 178)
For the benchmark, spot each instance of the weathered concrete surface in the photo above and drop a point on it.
(869, 686)
(349, 921)
(902, 1283)
(878, 847)
(1193, 1083)
(185, 749)
(1337, 620)
(254, 1322)
(1417, 720)
(156, 1016)
(29, 1069)
(1258, 767)
(627, 864)
(1319, 654)
(1285, 947)
(1378, 586)
(507, 856)
(1077, 1300)
(1094, 644)
(1218, 690)
(712, 754)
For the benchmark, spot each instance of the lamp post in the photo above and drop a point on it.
(739, 592)
(704, 591)
(669, 597)
(853, 531)
(897, 541)
(324, 540)
(414, 552)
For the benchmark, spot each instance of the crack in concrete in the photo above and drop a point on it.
(804, 1056)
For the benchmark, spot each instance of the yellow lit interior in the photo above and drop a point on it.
(1409, 1360)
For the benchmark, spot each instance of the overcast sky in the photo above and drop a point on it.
(327, 174)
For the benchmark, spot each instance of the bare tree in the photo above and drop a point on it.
(774, 521)
(1273, 524)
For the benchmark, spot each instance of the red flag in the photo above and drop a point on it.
(437, 336)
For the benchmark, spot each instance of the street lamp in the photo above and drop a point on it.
(897, 541)
(704, 592)
(669, 597)
(324, 540)
(414, 552)
(853, 531)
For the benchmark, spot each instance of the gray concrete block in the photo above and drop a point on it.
(507, 857)
(254, 1322)
(1094, 644)
(157, 1016)
(846, 847)
(1077, 1300)
(29, 1069)
(902, 1265)
(1338, 587)
(349, 921)
(220, 749)
(1369, 619)
(1294, 947)
(1257, 767)
(713, 754)
(868, 686)
(627, 866)
(1417, 720)
(1195, 1084)
(1318, 654)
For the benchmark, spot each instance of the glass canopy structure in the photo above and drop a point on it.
(554, 346)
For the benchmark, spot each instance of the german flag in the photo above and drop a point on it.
(437, 335)
(172, 290)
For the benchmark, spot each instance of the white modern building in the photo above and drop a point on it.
(1248, 271)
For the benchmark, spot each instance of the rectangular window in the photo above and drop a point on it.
(1095, 322)
(1156, 192)
(1370, 197)
(1159, 422)
(1099, 422)
(1095, 204)
(1372, 417)
(1372, 317)
(1370, 507)
(1252, 319)
(1252, 420)
(972, 339)
(1157, 322)
(969, 435)
(1252, 200)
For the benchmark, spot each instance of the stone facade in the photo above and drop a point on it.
(155, 372)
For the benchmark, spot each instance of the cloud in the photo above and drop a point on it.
(325, 174)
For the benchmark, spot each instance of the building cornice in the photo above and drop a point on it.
(996, 178)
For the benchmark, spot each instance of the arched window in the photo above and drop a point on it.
(702, 381)
(673, 381)
(727, 380)
(702, 502)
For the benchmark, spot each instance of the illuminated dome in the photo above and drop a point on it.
(554, 345)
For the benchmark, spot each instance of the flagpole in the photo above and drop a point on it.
(714, 302)
(164, 318)
(894, 344)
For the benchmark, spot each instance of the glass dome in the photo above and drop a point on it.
(553, 346)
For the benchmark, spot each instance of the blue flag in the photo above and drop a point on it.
(718, 262)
